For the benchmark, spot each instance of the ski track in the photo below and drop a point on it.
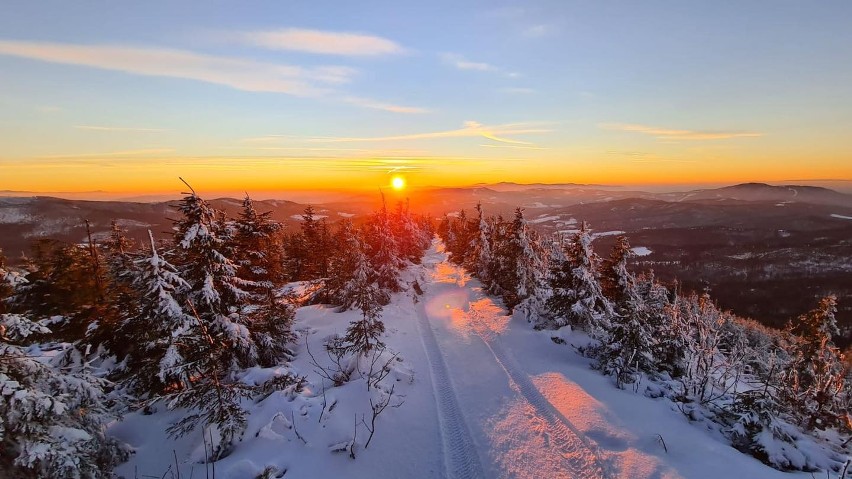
(575, 447)
(461, 460)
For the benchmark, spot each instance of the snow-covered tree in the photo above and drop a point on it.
(521, 263)
(816, 375)
(256, 246)
(411, 238)
(629, 348)
(156, 359)
(60, 284)
(383, 250)
(215, 289)
(480, 256)
(259, 256)
(53, 423)
(577, 294)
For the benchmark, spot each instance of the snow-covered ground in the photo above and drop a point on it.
(480, 394)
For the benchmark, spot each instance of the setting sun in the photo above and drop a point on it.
(398, 183)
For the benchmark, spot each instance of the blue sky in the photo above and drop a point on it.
(454, 92)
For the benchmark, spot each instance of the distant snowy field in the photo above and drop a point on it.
(479, 394)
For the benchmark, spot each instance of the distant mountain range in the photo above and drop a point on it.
(764, 251)
(23, 219)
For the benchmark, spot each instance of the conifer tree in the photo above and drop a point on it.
(629, 348)
(53, 422)
(480, 256)
(256, 248)
(155, 362)
(59, 283)
(260, 263)
(520, 262)
(215, 289)
(816, 374)
(383, 250)
(577, 294)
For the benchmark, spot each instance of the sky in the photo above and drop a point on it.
(271, 96)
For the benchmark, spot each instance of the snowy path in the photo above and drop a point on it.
(524, 434)
(460, 456)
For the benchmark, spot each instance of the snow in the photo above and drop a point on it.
(842, 217)
(128, 223)
(301, 218)
(15, 216)
(543, 219)
(539, 204)
(345, 215)
(641, 251)
(607, 233)
(482, 394)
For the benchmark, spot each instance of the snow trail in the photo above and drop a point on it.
(460, 456)
(574, 446)
(547, 443)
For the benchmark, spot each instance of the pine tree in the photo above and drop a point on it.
(411, 239)
(308, 251)
(480, 256)
(216, 291)
(460, 234)
(256, 247)
(383, 250)
(122, 300)
(53, 422)
(60, 285)
(629, 348)
(577, 294)
(520, 263)
(258, 255)
(358, 279)
(816, 374)
(154, 363)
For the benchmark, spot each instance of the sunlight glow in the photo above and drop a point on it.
(398, 183)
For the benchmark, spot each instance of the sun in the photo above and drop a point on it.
(398, 183)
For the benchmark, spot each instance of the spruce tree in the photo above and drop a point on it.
(816, 375)
(629, 348)
(157, 332)
(577, 294)
(480, 256)
(258, 255)
(216, 291)
(383, 250)
(53, 422)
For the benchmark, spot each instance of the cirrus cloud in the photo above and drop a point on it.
(678, 134)
(238, 73)
(321, 42)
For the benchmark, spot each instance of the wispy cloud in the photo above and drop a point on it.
(236, 73)
(141, 152)
(516, 147)
(462, 63)
(119, 128)
(378, 105)
(471, 129)
(676, 134)
(322, 42)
